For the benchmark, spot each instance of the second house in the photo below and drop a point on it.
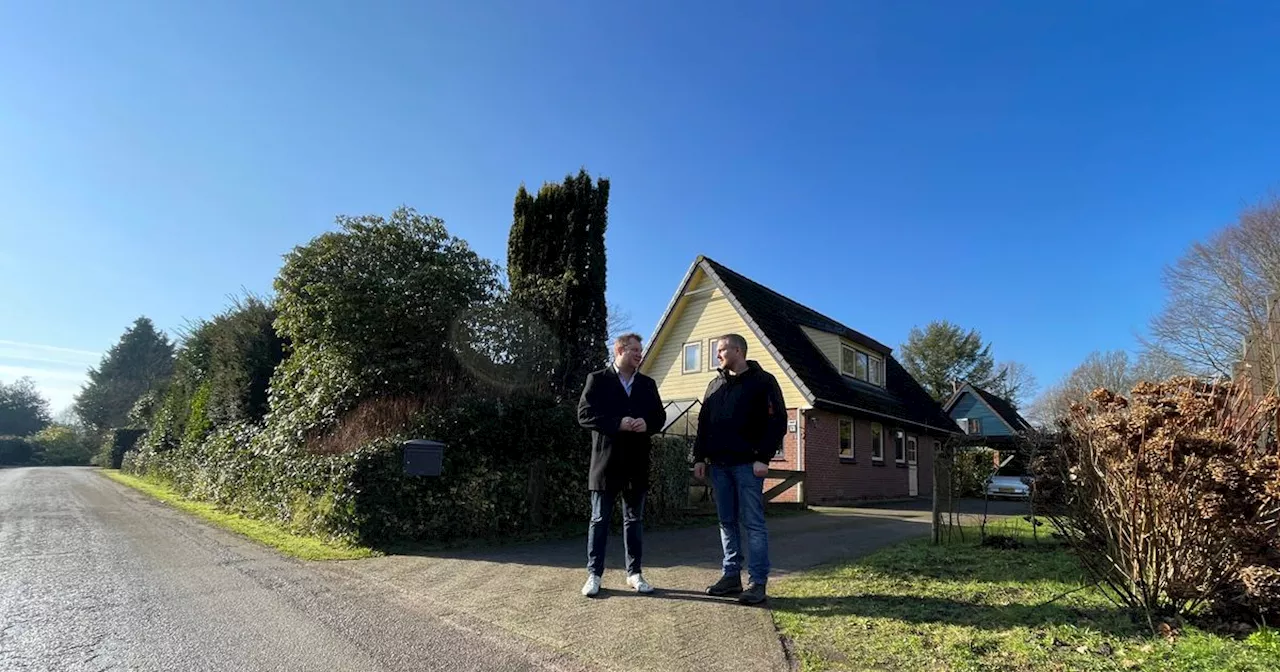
(860, 427)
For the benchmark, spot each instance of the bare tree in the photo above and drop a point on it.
(619, 320)
(1016, 383)
(1113, 370)
(1217, 292)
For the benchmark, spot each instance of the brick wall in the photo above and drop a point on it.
(829, 479)
(788, 461)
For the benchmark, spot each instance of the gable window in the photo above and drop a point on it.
(877, 372)
(713, 346)
(692, 358)
(912, 452)
(975, 426)
(900, 446)
(846, 439)
(858, 364)
(847, 357)
(877, 442)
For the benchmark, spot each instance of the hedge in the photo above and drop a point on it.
(116, 443)
(15, 450)
(511, 466)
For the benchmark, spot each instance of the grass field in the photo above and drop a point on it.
(966, 607)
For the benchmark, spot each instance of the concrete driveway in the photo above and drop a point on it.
(532, 590)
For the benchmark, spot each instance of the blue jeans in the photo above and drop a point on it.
(740, 497)
(632, 528)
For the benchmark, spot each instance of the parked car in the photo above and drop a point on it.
(1014, 487)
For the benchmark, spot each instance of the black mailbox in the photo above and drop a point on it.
(422, 457)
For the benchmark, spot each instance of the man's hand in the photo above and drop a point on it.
(760, 469)
(700, 471)
(639, 425)
(628, 425)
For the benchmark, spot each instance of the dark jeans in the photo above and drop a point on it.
(740, 497)
(632, 527)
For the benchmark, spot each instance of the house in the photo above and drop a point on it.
(990, 420)
(859, 426)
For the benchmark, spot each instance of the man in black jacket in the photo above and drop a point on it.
(622, 409)
(740, 427)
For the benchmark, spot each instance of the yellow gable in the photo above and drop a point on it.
(700, 314)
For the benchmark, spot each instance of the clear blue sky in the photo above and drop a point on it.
(1021, 169)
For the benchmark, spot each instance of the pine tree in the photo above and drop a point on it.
(140, 362)
(943, 354)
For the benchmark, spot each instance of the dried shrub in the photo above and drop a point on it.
(1170, 497)
(371, 419)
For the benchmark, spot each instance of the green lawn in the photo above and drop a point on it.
(270, 534)
(963, 607)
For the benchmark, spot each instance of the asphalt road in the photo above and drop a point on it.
(94, 576)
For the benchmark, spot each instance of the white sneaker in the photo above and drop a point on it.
(637, 581)
(592, 586)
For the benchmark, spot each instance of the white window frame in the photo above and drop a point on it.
(862, 355)
(874, 433)
(844, 371)
(712, 345)
(913, 449)
(853, 439)
(900, 439)
(684, 357)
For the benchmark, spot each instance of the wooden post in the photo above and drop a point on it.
(1272, 332)
(941, 487)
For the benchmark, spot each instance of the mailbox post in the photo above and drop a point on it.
(423, 457)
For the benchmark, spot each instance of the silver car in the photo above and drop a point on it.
(1014, 487)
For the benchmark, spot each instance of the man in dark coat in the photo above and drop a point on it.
(622, 409)
(740, 427)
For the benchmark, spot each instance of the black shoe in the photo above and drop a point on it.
(727, 585)
(754, 594)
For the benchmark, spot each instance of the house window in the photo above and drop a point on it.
(692, 358)
(900, 446)
(975, 426)
(847, 357)
(846, 439)
(858, 364)
(911, 450)
(877, 442)
(877, 371)
(713, 346)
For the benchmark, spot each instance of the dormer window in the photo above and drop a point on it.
(861, 365)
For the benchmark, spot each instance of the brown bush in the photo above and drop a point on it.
(1170, 497)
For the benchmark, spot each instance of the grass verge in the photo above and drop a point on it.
(965, 607)
(270, 534)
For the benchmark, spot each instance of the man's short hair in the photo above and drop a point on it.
(621, 341)
(736, 341)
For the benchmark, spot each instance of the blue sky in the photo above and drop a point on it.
(1020, 168)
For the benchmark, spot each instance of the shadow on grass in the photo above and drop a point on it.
(921, 610)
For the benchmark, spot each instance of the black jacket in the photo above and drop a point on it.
(619, 460)
(743, 418)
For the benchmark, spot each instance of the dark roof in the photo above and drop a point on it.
(779, 321)
(1000, 405)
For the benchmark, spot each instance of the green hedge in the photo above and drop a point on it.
(116, 443)
(15, 450)
(510, 467)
